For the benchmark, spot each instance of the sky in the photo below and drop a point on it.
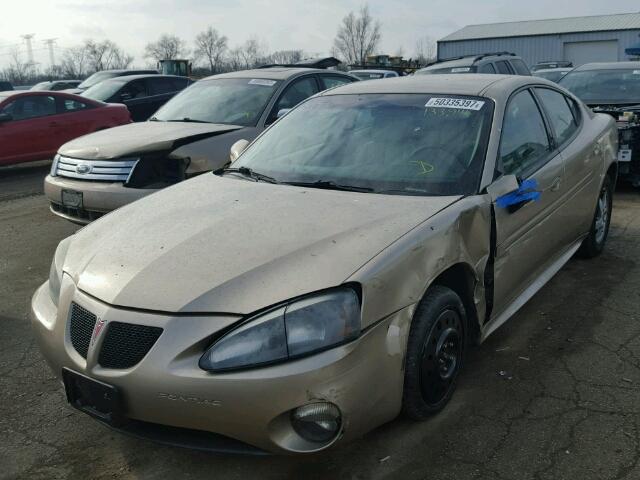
(278, 24)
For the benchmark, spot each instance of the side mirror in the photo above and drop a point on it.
(237, 148)
(282, 112)
(5, 117)
(502, 186)
(507, 192)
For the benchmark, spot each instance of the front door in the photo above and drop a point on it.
(528, 236)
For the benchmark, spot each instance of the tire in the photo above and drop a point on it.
(593, 245)
(435, 353)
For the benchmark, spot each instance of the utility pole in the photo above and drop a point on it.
(50, 42)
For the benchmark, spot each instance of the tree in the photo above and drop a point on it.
(358, 36)
(106, 55)
(425, 50)
(285, 57)
(167, 47)
(75, 62)
(18, 71)
(211, 46)
(251, 52)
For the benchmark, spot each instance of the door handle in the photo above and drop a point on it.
(555, 185)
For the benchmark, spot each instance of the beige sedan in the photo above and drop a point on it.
(334, 276)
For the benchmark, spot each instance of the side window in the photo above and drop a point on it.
(295, 93)
(560, 115)
(331, 81)
(524, 145)
(159, 86)
(69, 105)
(31, 107)
(519, 66)
(486, 68)
(503, 67)
(135, 89)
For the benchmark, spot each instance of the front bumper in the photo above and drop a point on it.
(167, 388)
(98, 198)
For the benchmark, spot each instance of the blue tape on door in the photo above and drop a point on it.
(526, 192)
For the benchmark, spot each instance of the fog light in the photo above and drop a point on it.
(317, 422)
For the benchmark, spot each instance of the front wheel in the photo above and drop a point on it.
(435, 352)
(593, 245)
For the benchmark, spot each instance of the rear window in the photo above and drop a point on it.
(519, 66)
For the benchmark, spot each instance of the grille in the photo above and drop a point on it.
(101, 170)
(81, 328)
(125, 344)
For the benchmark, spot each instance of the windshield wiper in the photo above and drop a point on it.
(247, 172)
(330, 185)
(187, 119)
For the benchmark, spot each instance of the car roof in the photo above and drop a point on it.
(30, 93)
(370, 70)
(130, 78)
(470, 84)
(556, 69)
(273, 73)
(609, 66)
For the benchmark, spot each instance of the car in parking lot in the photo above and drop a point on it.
(56, 85)
(504, 63)
(191, 134)
(614, 89)
(33, 124)
(553, 64)
(553, 74)
(372, 74)
(108, 74)
(142, 94)
(336, 273)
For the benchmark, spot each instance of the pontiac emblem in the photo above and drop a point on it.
(83, 169)
(100, 323)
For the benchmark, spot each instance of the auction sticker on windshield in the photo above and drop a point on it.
(260, 81)
(460, 103)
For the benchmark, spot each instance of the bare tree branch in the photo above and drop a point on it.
(167, 47)
(358, 36)
(211, 46)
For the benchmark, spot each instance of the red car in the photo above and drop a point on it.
(34, 124)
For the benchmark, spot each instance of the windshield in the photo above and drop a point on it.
(367, 75)
(553, 76)
(95, 78)
(42, 86)
(406, 144)
(231, 101)
(604, 86)
(103, 90)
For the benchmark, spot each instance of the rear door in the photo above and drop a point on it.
(30, 135)
(527, 236)
(582, 157)
(75, 118)
(504, 68)
(160, 89)
(134, 95)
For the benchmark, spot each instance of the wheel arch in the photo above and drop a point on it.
(461, 278)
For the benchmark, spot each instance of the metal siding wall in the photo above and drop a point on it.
(536, 49)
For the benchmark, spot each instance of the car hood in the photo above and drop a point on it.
(143, 137)
(214, 244)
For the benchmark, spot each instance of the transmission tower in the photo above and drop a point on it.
(50, 42)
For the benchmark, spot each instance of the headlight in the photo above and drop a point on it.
(54, 165)
(55, 272)
(289, 331)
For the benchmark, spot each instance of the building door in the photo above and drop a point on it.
(586, 52)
